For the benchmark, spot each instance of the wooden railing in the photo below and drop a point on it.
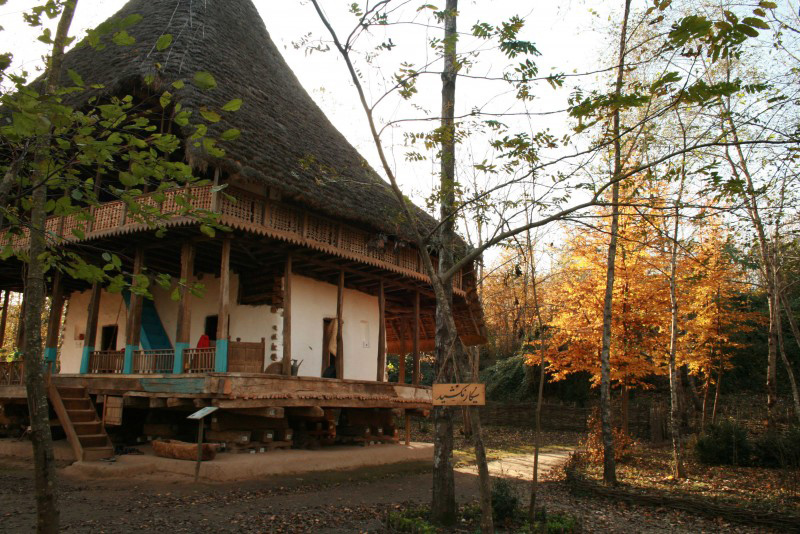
(158, 361)
(12, 373)
(246, 211)
(199, 360)
(106, 361)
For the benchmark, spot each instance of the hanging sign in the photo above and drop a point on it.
(459, 394)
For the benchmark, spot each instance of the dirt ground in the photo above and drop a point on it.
(339, 502)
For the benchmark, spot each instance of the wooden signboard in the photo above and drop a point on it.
(459, 394)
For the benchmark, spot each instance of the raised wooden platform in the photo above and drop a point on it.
(243, 390)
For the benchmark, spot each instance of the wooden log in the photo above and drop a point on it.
(233, 436)
(4, 317)
(90, 334)
(287, 316)
(54, 321)
(183, 328)
(415, 373)
(134, 322)
(181, 450)
(221, 356)
(381, 332)
(339, 327)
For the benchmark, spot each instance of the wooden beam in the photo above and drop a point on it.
(20, 341)
(134, 323)
(221, 356)
(287, 316)
(415, 372)
(90, 334)
(381, 332)
(54, 320)
(4, 317)
(339, 327)
(401, 357)
(183, 329)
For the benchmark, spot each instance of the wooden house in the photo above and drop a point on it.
(316, 282)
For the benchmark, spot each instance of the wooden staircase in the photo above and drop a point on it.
(78, 417)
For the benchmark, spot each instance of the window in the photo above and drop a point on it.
(211, 327)
(108, 337)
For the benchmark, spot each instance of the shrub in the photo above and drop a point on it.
(412, 521)
(725, 443)
(775, 449)
(504, 501)
(623, 443)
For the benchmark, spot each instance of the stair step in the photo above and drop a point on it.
(82, 416)
(87, 428)
(93, 440)
(77, 404)
(71, 392)
(97, 453)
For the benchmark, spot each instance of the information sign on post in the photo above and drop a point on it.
(198, 416)
(459, 394)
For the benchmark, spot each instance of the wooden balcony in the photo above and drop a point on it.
(244, 211)
(12, 373)
(106, 361)
(199, 360)
(159, 361)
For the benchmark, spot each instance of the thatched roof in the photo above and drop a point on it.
(286, 142)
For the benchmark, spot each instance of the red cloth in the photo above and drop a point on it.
(204, 342)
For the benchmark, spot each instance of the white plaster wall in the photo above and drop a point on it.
(112, 311)
(312, 302)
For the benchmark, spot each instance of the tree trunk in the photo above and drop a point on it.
(716, 394)
(705, 404)
(443, 503)
(47, 510)
(609, 465)
(787, 364)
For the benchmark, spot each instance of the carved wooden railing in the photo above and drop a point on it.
(12, 373)
(199, 360)
(106, 361)
(157, 361)
(246, 211)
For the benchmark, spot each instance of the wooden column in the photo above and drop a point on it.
(4, 317)
(339, 327)
(221, 357)
(133, 326)
(401, 358)
(415, 376)
(54, 321)
(20, 334)
(90, 334)
(381, 332)
(182, 331)
(287, 316)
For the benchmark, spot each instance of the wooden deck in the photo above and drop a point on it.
(240, 391)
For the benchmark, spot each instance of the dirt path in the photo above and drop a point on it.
(340, 502)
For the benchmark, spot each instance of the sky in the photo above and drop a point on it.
(572, 36)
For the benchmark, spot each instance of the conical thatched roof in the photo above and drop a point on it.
(286, 142)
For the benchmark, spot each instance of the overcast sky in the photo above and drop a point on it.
(571, 36)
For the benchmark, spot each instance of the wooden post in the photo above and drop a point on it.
(183, 330)
(54, 322)
(287, 316)
(20, 334)
(339, 327)
(199, 449)
(90, 334)
(408, 428)
(133, 325)
(381, 332)
(221, 357)
(401, 357)
(416, 377)
(4, 317)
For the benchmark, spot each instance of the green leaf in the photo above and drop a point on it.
(75, 77)
(164, 41)
(178, 84)
(204, 80)
(230, 135)
(123, 38)
(206, 229)
(756, 23)
(129, 21)
(233, 105)
(127, 179)
(210, 116)
(768, 5)
(165, 99)
(747, 30)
